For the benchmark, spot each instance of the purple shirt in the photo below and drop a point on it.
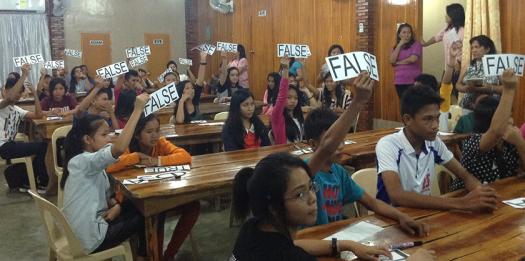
(67, 103)
(405, 73)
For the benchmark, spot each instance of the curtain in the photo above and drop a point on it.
(20, 35)
(481, 17)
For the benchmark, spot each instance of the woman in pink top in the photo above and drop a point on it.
(241, 63)
(406, 59)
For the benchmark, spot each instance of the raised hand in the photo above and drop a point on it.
(25, 69)
(203, 56)
(364, 86)
(99, 82)
(513, 135)
(141, 101)
(509, 79)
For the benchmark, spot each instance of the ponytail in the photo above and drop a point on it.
(74, 143)
(241, 198)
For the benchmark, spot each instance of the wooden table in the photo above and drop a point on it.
(455, 235)
(207, 98)
(211, 175)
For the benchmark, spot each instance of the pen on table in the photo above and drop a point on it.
(406, 245)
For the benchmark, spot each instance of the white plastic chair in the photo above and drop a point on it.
(57, 134)
(63, 244)
(366, 179)
(28, 161)
(221, 116)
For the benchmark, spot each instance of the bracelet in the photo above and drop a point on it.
(203, 63)
(335, 253)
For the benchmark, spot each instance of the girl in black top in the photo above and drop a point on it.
(190, 96)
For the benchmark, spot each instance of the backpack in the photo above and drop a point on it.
(16, 176)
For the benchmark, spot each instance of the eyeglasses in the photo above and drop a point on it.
(305, 195)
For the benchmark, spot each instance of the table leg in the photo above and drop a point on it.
(152, 238)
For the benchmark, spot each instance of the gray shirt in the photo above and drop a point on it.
(86, 196)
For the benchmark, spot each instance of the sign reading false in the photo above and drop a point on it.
(139, 60)
(73, 53)
(29, 59)
(113, 70)
(186, 61)
(59, 64)
(227, 47)
(207, 48)
(349, 65)
(293, 50)
(162, 75)
(138, 51)
(161, 98)
(495, 64)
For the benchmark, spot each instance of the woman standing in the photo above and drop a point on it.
(240, 62)
(406, 59)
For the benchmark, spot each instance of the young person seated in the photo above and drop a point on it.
(496, 149)
(59, 102)
(42, 88)
(97, 102)
(126, 97)
(187, 107)
(406, 160)
(270, 94)
(10, 117)
(228, 81)
(149, 149)
(280, 194)
(80, 83)
(243, 129)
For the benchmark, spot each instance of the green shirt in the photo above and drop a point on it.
(465, 124)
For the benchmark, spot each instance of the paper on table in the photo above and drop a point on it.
(212, 124)
(134, 181)
(348, 142)
(54, 118)
(356, 232)
(397, 255)
(198, 121)
(440, 133)
(167, 169)
(515, 203)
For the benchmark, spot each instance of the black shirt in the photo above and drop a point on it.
(253, 245)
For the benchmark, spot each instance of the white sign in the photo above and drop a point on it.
(158, 41)
(113, 70)
(349, 65)
(227, 47)
(73, 53)
(138, 51)
(96, 42)
(208, 48)
(30, 59)
(161, 98)
(138, 61)
(495, 64)
(161, 76)
(186, 61)
(261, 13)
(59, 64)
(293, 50)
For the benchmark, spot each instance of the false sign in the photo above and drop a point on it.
(138, 51)
(138, 61)
(293, 50)
(227, 47)
(495, 64)
(207, 48)
(161, 98)
(73, 53)
(161, 76)
(185, 61)
(349, 65)
(59, 64)
(30, 59)
(113, 70)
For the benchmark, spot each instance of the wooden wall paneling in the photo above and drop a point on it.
(260, 43)
(512, 31)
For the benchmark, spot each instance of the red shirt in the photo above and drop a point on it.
(251, 140)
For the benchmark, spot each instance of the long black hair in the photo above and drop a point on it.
(180, 90)
(326, 100)
(54, 82)
(412, 37)
(241, 51)
(261, 191)
(485, 42)
(228, 85)
(125, 103)
(293, 133)
(272, 93)
(234, 121)
(74, 142)
(73, 82)
(483, 112)
(134, 144)
(457, 16)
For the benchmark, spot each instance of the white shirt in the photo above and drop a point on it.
(86, 196)
(10, 118)
(395, 153)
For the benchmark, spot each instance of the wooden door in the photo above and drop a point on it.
(261, 48)
(160, 53)
(96, 51)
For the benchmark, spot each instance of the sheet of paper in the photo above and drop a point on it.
(515, 203)
(134, 181)
(356, 232)
(212, 124)
(440, 133)
(348, 142)
(167, 169)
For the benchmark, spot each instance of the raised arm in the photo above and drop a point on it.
(277, 118)
(223, 70)
(202, 68)
(454, 52)
(16, 89)
(499, 122)
(337, 132)
(84, 104)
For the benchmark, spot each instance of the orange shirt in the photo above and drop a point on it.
(169, 155)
